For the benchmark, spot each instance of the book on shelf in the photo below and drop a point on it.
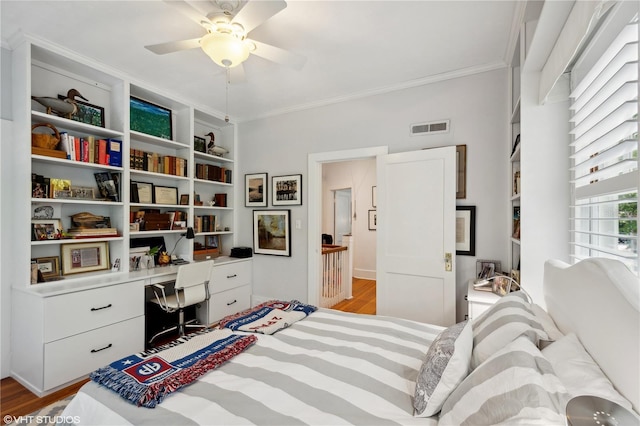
(156, 163)
(92, 232)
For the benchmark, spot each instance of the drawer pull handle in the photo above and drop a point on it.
(232, 276)
(102, 307)
(93, 351)
(231, 303)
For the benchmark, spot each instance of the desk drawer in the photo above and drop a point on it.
(229, 302)
(75, 313)
(228, 276)
(71, 358)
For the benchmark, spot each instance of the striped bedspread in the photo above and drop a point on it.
(331, 368)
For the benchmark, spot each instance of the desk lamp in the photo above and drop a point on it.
(190, 236)
(590, 410)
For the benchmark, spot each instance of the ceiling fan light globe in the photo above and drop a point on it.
(224, 49)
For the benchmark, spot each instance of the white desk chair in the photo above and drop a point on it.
(191, 288)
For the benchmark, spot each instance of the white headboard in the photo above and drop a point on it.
(599, 300)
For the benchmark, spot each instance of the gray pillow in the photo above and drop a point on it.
(445, 366)
(506, 320)
(516, 385)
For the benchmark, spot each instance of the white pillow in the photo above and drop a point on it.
(445, 366)
(516, 385)
(547, 322)
(507, 319)
(579, 372)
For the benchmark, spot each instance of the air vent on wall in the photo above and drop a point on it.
(441, 126)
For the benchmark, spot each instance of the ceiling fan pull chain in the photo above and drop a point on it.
(226, 107)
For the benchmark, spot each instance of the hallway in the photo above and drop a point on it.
(364, 298)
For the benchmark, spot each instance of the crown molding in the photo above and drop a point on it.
(464, 72)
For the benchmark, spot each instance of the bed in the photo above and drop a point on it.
(335, 368)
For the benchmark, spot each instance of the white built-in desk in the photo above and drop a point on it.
(64, 330)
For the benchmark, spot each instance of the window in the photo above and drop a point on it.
(604, 145)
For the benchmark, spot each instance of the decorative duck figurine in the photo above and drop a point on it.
(212, 148)
(64, 107)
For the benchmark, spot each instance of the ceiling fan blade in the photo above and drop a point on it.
(255, 12)
(174, 46)
(278, 55)
(187, 10)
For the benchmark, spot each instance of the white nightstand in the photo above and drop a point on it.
(479, 301)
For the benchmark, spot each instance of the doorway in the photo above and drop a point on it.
(314, 240)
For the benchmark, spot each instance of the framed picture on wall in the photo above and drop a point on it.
(373, 220)
(461, 171)
(466, 230)
(255, 192)
(272, 232)
(286, 190)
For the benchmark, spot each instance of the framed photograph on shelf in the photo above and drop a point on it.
(149, 118)
(184, 199)
(286, 190)
(49, 267)
(461, 169)
(373, 220)
(255, 190)
(143, 192)
(87, 113)
(46, 229)
(84, 257)
(272, 232)
(82, 192)
(165, 195)
(466, 230)
(199, 144)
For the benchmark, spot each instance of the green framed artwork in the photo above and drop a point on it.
(149, 118)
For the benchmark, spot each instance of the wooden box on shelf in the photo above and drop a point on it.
(48, 152)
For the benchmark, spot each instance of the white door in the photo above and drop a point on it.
(416, 235)
(341, 214)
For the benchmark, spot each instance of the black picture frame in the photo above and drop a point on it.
(256, 189)
(199, 144)
(466, 230)
(87, 113)
(286, 190)
(272, 232)
(149, 118)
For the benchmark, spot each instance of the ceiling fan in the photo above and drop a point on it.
(226, 41)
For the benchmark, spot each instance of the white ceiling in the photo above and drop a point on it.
(353, 48)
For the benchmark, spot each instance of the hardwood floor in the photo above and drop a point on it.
(364, 298)
(16, 400)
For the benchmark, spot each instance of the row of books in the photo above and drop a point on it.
(88, 149)
(205, 223)
(154, 162)
(213, 172)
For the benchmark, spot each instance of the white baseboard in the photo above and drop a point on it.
(365, 274)
(256, 300)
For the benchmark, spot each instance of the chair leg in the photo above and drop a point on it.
(181, 322)
(161, 333)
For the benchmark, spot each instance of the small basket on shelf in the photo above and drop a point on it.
(45, 140)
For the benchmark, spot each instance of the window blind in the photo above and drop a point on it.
(604, 160)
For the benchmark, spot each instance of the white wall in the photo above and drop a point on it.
(477, 108)
(6, 114)
(360, 176)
